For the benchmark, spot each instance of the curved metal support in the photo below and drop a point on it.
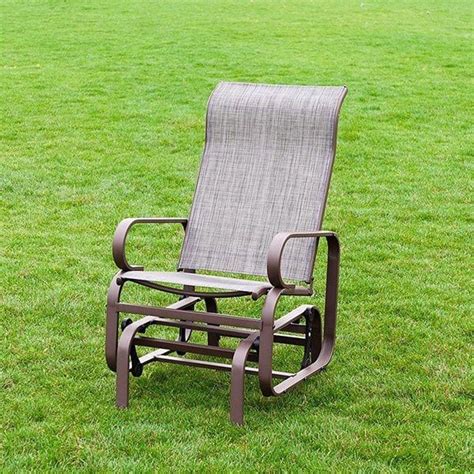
(237, 380)
(329, 329)
(112, 321)
(187, 292)
(122, 230)
(277, 246)
(265, 359)
(123, 354)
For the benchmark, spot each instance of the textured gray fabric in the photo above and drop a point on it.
(265, 169)
(194, 279)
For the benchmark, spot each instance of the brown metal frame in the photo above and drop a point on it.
(257, 335)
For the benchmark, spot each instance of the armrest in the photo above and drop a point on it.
(278, 244)
(120, 237)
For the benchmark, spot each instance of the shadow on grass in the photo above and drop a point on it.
(205, 390)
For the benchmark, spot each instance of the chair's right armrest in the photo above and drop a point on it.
(121, 232)
(277, 246)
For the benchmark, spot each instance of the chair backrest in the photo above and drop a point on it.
(265, 169)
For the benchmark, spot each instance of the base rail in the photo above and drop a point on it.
(178, 316)
(204, 364)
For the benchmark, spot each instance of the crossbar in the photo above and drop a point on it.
(213, 365)
(234, 332)
(226, 332)
(201, 316)
(187, 347)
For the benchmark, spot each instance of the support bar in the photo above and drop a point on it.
(187, 347)
(215, 365)
(239, 333)
(200, 316)
(200, 327)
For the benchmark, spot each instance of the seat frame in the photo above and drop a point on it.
(301, 327)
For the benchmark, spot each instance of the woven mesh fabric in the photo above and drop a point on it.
(265, 169)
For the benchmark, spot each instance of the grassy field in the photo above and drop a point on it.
(103, 108)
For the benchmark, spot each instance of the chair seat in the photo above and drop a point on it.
(199, 280)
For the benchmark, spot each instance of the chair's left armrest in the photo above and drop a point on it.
(278, 245)
(120, 237)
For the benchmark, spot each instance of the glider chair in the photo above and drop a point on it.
(257, 210)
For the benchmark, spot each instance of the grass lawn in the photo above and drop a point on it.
(102, 118)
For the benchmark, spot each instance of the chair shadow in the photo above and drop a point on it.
(210, 391)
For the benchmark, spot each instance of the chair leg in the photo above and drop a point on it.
(237, 380)
(112, 321)
(185, 334)
(211, 307)
(122, 379)
(123, 356)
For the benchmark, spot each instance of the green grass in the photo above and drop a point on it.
(102, 118)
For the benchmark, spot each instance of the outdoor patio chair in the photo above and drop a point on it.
(257, 210)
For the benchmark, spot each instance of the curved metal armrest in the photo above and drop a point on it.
(120, 237)
(278, 244)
